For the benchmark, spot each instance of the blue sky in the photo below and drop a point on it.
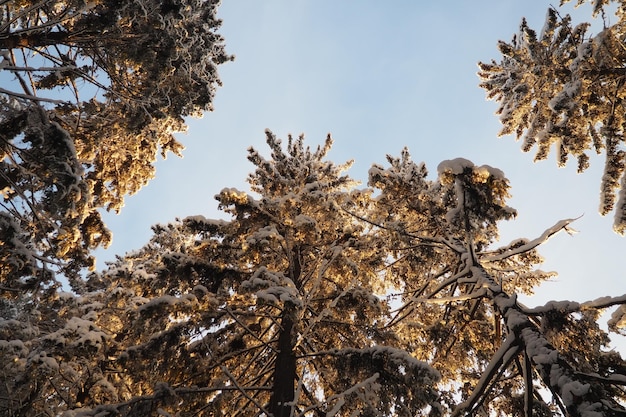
(379, 76)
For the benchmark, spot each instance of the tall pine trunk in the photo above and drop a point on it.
(284, 370)
(34, 39)
(283, 390)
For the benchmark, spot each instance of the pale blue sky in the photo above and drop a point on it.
(379, 76)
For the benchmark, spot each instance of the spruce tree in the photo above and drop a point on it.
(562, 88)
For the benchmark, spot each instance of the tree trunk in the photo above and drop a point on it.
(37, 39)
(557, 374)
(33, 40)
(284, 370)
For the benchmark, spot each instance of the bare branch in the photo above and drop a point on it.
(31, 97)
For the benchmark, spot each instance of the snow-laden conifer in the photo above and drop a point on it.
(92, 92)
(278, 309)
(562, 89)
(458, 307)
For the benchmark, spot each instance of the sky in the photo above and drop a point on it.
(379, 76)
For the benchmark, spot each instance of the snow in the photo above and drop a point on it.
(487, 171)
(78, 332)
(267, 297)
(168, 300)
(606, 301)
(561, 377)
(454, 166)
(541, 353)
(272, 287)
(12, 344)
(565, 99)
(45, 360)
(200, 289)
(618, 319)
(572, 389)
(121, 291)
(302, 221)
(585, 49)
(398, 357)
(545, 236)
(263, 235)
(515, 319)
(563, 306)
(231, 195)
(203, 220)
(619, 223)
(599, 46)
(65, 296)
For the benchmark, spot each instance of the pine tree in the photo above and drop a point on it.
(459, 309)
(564, 88)
(278, 310)
(314, 297)
(97, 90)
(319, 298)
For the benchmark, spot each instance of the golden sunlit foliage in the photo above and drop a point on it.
(92, 93)
(563, 88)
(316, 297)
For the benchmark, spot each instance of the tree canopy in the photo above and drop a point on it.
(94, 92)
(564, 88)
(312, 295)
(316, 297)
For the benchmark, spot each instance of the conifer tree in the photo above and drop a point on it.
(564, 88)
(459, 309)
(277, 311)
(93, 92)
(319, 298)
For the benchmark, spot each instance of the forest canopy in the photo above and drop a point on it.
(310, 293)
(317, 297)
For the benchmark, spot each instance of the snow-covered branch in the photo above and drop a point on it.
(573, 306)
(500, 361)
(545, 236)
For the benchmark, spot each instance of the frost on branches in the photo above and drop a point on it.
(140, 67)
(565, 89)
(315, 297)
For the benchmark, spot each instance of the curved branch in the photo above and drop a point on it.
(547, 234)
(500, 361)
(427, 239)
